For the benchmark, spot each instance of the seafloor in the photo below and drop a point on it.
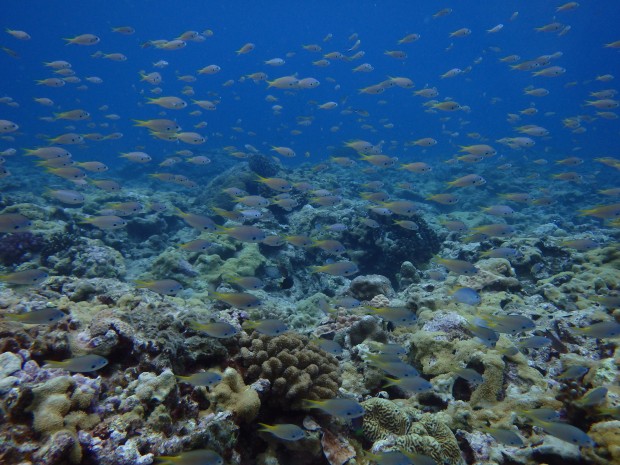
(134, 409)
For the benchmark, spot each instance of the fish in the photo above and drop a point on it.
(574, 372)
(247, 282)
(502, 252)
(217, 329)
(254, 201)
(467, 181)
(163, 286)
(331, 246)
(269, 327)
(346, 409)
(510, 324)
(392, 457)
(603, 211)
(592, 398)
(581, 245)
(457, 266)
(107, 185)
(46, 316)
(205, 378)
(329, 346)
(469, 374)
(82, 364)
(565, 432)
(393, 366)
(277, 184)
(246, 48)
(542, 414)
(602, 330)
(534, 342)
(200, 222)
(390, 348)
(83, 39)
(158, 125)
(499, 210)
(105, 221)
(486, 335)
(125, 30)
(30, 277)
(504, 436)
(21, 35)
(237, 299)
(137, 157)
(405, 224)
(14, 222)
(463, 32)
(347, 302)
(194, 457)
(609, 301)
(285, 431)
(495, 230)
(243, 233)
(395, 315)
(413, 384)
(467, 296)
(344, 268)
(170, 103)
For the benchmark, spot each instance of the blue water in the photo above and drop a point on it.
(491, 89)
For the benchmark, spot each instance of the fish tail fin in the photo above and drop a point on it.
(308, 403)
(194, 325)
(54, 363)
(390, 381)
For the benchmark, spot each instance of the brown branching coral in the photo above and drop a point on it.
(296, 368)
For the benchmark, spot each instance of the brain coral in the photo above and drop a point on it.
(409, 429)
(296, 369)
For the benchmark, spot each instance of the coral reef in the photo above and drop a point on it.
(19, 247)
(296, 368)
(233, 395)
(367, 287)
(393, 427)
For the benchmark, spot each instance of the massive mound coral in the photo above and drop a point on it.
(393, 427)
(296, 368)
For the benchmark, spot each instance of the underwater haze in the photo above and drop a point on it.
(309, 232)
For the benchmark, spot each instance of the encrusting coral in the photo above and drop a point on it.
(58, 406)
(296, 368)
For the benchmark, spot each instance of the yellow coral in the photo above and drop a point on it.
(232, 394)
